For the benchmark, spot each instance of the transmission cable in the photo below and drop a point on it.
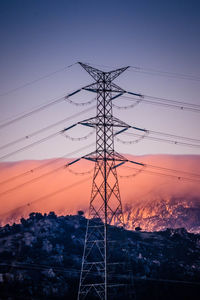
(156, 72)
(28, 136)
(167, 169)
(157, 139)
(152, 71)
(160, 133)
(162, 174)
(39, 108)
(31, 171)
(35, 266)
(192, 176)
(39, 141)
(161, 102)
(51, 194)
(36, 80)
(39, 177)
(174, 171)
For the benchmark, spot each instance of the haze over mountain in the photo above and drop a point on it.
(153, 202)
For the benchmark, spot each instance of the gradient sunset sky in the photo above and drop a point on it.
(41, 36)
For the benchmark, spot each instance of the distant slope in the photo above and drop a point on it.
(151, 201)
(41, 259)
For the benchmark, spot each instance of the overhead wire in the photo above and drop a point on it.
(37, 109)
(191, 178)
(173, 101)
(167, 100)
(28, 113)
(157, 139)
(174, 170)
(36, 80)
(181, 175)
(35, 266)
(32, 180)
(53, 161)
(31, 145)
(168, 135)
(41, 140)
(50, 194)
(182, 178)
(62, 167)
(161, 102)
(28, 136)
(151, 71)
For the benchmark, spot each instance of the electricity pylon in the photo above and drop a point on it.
(105, 204)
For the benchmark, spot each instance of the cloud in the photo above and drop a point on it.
(35, 186)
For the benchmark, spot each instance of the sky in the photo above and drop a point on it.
(41, 37)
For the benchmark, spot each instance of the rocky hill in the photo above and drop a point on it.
(40, 258)
(154, 202)
(161, 213)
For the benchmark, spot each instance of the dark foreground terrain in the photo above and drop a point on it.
(40, 258)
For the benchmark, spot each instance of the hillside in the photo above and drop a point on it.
(153, 202)
(40, 258)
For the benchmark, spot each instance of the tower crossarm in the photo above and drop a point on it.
(98, 74)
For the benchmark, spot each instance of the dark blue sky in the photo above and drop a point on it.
(38, 37)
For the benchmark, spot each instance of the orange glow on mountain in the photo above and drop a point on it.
(43, 186)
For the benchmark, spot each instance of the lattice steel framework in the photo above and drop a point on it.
(105, 204)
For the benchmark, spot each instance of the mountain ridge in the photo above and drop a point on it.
(137, 192)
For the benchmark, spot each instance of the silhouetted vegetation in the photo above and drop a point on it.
(40, 258)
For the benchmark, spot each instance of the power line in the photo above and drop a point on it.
(148, 131)
(28, 136)
(31, 171)
(174, 136)
(152, 71)
(50, 194)
(38, 109)
(142, 137)
(173, 101)
(179, 177)
(174, 170)
(17, 117)
(39, 177)
(20, 116)
(161, 102)
(192, 175)
(156, 72)
(36, 80)
(33, 266)
(32, 180)
(31, 145)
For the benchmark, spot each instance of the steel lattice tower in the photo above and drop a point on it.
(105, 204)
